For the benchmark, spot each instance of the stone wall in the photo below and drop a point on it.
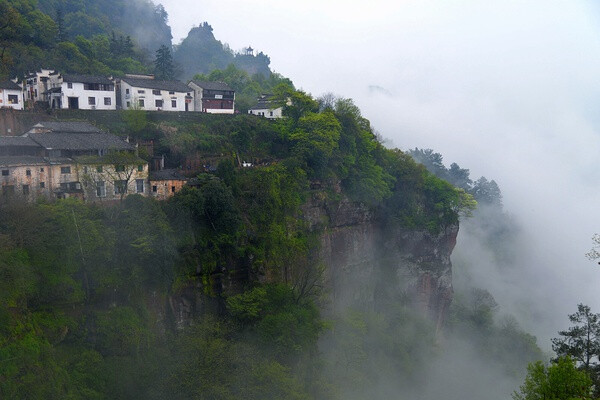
(15, 123)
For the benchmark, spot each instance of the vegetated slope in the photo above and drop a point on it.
(91, 37)
(201, 53)
(107, 37)
(214, 293)
(143, 20)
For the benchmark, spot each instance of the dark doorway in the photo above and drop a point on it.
(187, 107)
(74, 103)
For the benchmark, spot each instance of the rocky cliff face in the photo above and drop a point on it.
(370, 264)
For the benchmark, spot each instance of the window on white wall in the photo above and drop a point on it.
(100, 189)
(139, 185)
(120, 186)
(174, 103)
(91, 101)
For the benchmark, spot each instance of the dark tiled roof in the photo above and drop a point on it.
(59, 160)
(213, 85)
(22, 141)
(110, 159)
(80, 141)
(86, 79)
(171, 86)
(15, 161)
(167, 175)
(68, 127)
(9, 85)
(265, 102)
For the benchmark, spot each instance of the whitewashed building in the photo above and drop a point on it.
(36, 84)
(85, 92)
(213, 97)
(143, 92)
(11, 95)
(267, 107)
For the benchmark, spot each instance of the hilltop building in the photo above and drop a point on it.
(145, 93)
(267, 107)
(11, 95)
(213, 97)
(85, 92)
(36, 84)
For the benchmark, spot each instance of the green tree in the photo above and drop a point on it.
(315, 140)
(163, 64)
(559, 381)
(60, 24)
(459, 177)
(487, 192)
(434, 162)
(581, 341)
(135, 118)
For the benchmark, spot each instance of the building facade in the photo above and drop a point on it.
(36, 85)
(165, 183)
(213, 97)
(70, 159)
(146, 93)
(25, 177)
(267, 107)
(112, 177)
(84, 92)
(11, 95)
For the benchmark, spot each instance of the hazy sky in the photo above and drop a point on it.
(508, 89)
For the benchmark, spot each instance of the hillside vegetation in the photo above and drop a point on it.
(107, 37)
(95, 300)
(88, 292)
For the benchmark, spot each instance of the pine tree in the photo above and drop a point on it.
(60, 23)
(163, 64)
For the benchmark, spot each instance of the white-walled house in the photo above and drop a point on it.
(213, 97)
(85, 92)
(267, 107)
(36, 84)
(147, 93)
(11, 95)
